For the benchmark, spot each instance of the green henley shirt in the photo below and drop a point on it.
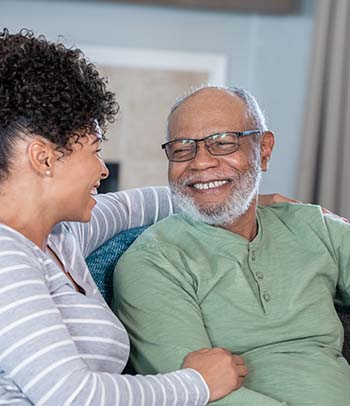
(183, 286)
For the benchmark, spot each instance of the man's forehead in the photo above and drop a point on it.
(209, 109)
(212, 95)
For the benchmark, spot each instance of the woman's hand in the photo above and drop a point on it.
(222, 371)
(269, 199)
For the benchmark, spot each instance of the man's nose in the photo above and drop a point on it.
(204, 159)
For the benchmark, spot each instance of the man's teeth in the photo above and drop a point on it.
(209, 185)
(93, 191)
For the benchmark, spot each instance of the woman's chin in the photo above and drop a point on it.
(86, 216)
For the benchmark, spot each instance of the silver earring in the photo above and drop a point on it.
(48, 173)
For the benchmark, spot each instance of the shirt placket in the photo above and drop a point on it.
(264, 290)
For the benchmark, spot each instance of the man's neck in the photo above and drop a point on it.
(246, 226)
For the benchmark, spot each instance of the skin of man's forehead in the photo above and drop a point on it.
(209, 111)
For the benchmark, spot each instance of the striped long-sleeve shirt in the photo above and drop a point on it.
(61, 347)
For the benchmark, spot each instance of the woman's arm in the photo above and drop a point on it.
(115, 212)
(39, 356)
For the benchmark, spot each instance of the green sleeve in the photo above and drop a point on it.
(339, 233)
(155, 298)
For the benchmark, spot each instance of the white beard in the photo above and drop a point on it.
(246, 186)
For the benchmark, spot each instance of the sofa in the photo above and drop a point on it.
(102, 262)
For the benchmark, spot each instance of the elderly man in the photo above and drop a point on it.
(259, 281)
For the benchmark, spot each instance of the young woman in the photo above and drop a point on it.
(59, 342)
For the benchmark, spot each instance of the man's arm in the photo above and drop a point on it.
(339, 233)
(155, 297)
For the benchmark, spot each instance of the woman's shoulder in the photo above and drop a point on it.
(11, 238)
(18, 253)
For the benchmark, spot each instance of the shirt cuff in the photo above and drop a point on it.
(201, 385)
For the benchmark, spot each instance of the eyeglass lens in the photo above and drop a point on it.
(217, 144)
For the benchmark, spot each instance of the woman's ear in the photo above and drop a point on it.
(42, 156)
(266, 147)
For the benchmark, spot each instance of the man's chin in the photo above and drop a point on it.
(212, 214)
(211, 210)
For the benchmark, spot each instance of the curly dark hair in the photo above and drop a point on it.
(50, 90)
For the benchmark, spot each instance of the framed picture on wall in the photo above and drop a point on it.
(146, 83)
(254, 6)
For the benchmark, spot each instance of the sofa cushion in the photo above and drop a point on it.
(102, 261)
(344, 315)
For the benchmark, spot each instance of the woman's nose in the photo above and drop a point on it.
(105, 171)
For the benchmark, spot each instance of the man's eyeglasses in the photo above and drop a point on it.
(217, 144)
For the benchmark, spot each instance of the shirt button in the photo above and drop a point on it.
(260, 275)
(267, 297)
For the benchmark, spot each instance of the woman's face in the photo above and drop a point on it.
(77, 177)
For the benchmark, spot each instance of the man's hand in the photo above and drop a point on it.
(222, 371)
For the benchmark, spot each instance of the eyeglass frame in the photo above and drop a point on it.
(239, 134)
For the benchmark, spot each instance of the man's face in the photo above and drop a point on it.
(219, 188)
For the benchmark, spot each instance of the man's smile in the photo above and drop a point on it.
(208, 185)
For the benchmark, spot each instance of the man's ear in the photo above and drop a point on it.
(42, 156)
(266, 147)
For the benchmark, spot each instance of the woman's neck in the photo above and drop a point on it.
(20, 212)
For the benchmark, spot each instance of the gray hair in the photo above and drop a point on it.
(255, 114)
